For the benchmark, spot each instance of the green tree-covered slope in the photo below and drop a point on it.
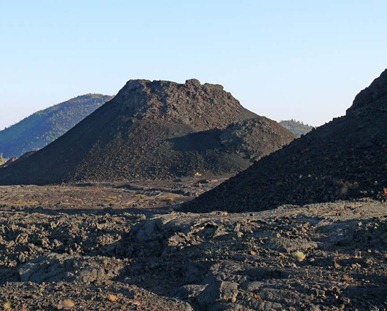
(2, 160)
(296, 127)
(43, 127)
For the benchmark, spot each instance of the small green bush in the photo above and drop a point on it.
(2, 160)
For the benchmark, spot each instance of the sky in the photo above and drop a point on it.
(286, 59)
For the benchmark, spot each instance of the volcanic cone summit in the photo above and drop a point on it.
(344, 159)
(200, 107)
(373, 98)
(155, 130)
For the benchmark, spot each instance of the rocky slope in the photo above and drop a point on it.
(43, 127)
(343, 159)
(296, 127)
(151, 130)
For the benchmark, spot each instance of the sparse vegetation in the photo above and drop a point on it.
(7, 306)
(2, 160)
(26, 203)
(299, 256)
(66, 304)
(170, 200)
(112, 298)
(112, 198)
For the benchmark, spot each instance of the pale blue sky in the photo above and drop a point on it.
(282, 59)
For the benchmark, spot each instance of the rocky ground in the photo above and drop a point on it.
(125, 247)
(142, 194)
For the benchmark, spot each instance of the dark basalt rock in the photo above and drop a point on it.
(155, 130)
(372, 98)
(344, 159)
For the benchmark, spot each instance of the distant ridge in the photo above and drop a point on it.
(296, 127)
(343, 159)
(155, 130)
(43, 127)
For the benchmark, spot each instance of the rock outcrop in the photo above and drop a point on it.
(344, 159)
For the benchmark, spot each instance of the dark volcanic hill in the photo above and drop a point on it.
(346, 158)
(296, 127)
(43, 127)
(151, 130)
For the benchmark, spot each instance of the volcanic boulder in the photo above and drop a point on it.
(155, 130)
(343, 159)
